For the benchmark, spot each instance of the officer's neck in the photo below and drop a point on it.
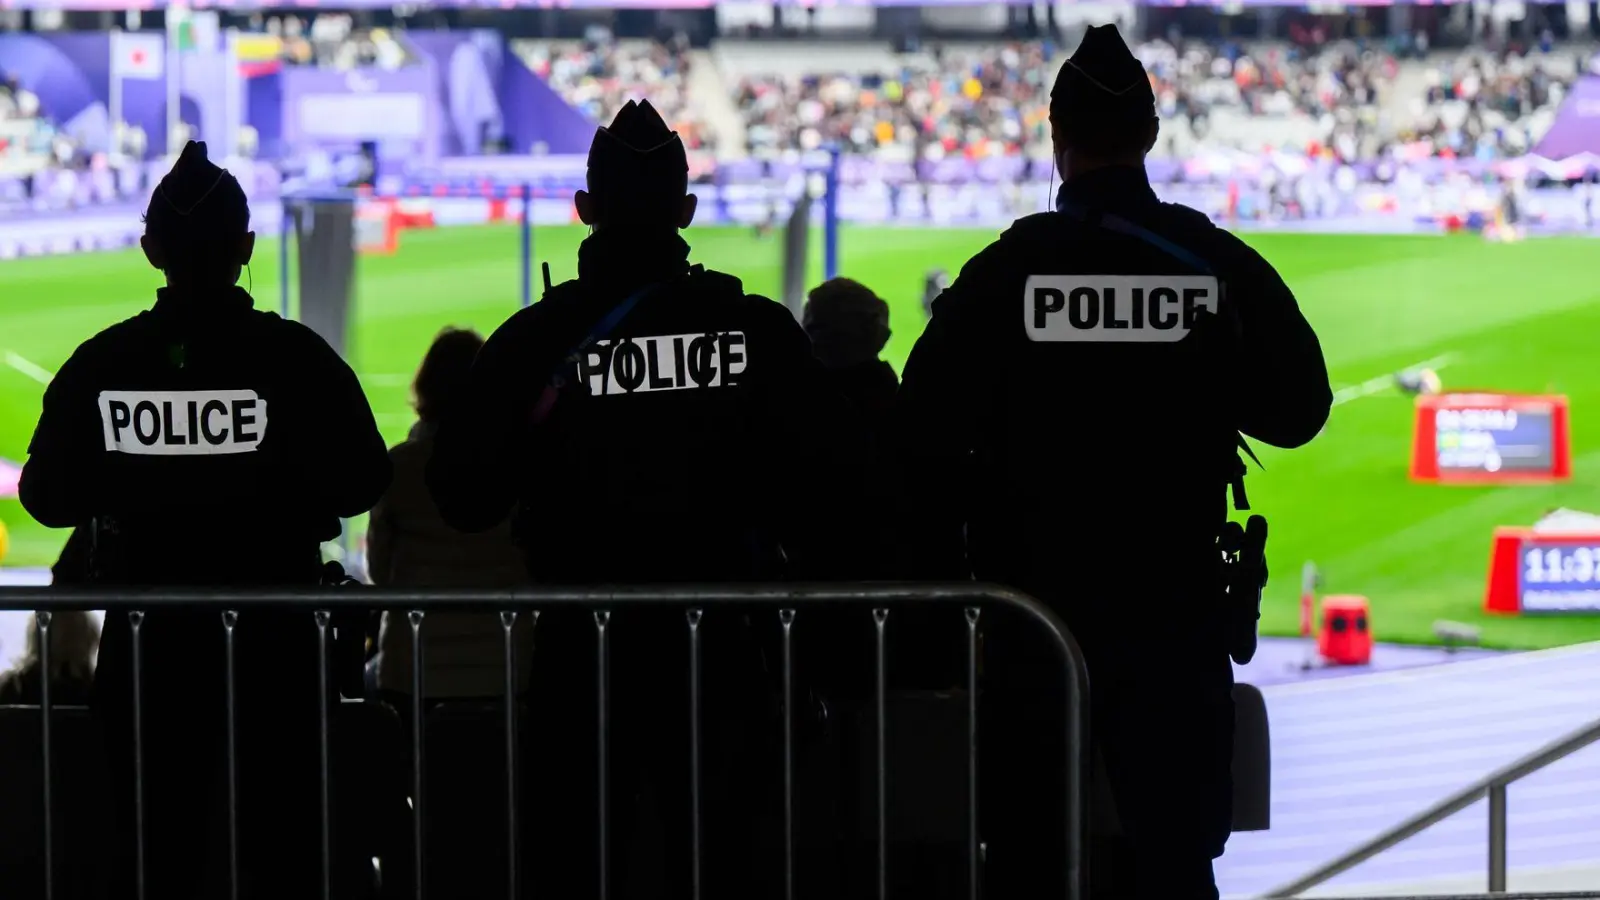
(189, 295)
(188, 284)
(1084, 167)
(621, 256)
(1111, 184)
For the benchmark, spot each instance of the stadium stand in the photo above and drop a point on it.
(597, 76)
(1481, 104)
(971, 101)
(1338, 99)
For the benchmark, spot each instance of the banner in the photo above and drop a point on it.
(139, 55)
(1576, 129)
(402, 110)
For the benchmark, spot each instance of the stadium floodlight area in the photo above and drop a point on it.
(327, 230)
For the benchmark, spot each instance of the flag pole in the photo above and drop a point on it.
(171, 74)
(114, 102)
(233, 100)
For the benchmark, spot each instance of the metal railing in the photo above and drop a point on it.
(1492, 786)
(787, 600)
(1519, 895)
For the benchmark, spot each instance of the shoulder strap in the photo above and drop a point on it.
(1136, 231)
(1119, 225)
(611, 320)
(603, 328)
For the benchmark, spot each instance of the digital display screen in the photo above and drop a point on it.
(1559, 578)
(1495, 440)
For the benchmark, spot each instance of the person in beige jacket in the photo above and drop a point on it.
(409, 545)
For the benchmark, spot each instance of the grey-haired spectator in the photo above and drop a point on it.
(849, 327)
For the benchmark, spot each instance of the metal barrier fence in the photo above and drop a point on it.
(786, 600)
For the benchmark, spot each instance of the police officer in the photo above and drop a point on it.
(651, 422)
(1071, 419)
(203, 442)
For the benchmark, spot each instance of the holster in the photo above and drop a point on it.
(350, 628)
(1243, 570)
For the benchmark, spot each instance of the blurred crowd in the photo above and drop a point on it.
(42, 166)
(16, 102)
(1191, 78)
(990, 102)
(994, 102)
(26, 139)
(598, 75)
(1334, 100)
(1481, 104)
(331, 40)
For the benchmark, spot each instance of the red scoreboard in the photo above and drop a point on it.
(1533, 572)
(1488, 438)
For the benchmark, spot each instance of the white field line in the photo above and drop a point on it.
(387, 380)
(1382, 382)
(32, 370)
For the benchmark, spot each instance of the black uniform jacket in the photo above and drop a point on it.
(691, 437)
(1069, 418)
(213, 443)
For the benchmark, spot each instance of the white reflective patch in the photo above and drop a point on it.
(667, 362)
(1114, 309)
(182, 423)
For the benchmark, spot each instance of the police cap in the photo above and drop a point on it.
(198, 213)
(638, 169)
(1102, 99)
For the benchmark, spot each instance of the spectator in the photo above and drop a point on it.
(409, 545)
(849, 326)
(74, 642)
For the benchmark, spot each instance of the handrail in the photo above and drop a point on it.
(1492, 786)
(1519, 895)
(602, 600)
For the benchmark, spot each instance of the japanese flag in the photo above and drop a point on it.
(137, 54)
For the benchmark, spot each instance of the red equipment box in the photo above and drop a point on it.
(1346, 635)
(1488, 438)
(1530, 572)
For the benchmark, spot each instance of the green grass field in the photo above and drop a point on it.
(1518, 317)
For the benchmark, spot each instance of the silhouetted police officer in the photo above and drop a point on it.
(1071, 417)
(203, 442)
(651, 422)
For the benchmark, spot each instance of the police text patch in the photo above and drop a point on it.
(667, 362)
(1116, 308)
(182, 423)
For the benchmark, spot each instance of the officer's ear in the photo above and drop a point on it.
(584, 203)
(690, 203)
(1155, 132)
(247, 248)
(152, 252)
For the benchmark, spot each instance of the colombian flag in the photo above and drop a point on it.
(259, 54)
